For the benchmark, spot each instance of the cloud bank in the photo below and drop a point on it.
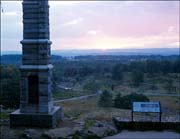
(100, 24)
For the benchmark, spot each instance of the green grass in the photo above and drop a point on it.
(73, 113)
(89, 109)
(65, 94)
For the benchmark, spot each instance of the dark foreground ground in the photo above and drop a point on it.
(145, 135)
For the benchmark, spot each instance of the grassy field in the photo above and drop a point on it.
(89, 109)
(167, 102)
(154, 87)
(64, 94)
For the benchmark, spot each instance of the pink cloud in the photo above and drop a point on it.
(112, 24)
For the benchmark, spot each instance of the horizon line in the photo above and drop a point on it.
(99, 49)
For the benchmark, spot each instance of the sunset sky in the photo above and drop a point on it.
(99, 25)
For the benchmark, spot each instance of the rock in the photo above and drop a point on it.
(59, 133)
(102, 130)
(81, 134)
(78, 128)
(31, 134)
(97, 130)
(99, 124)
(81, 123)
(7, 133)
(4, 122)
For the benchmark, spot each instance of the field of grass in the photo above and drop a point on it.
(169, 104)
(89, 109)
(64, 94)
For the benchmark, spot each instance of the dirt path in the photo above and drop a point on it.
(99, 92)
(78, 98)
(145, 135)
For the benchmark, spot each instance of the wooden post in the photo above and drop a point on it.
(160, 117)
(132, 115)
(132, 112)
(160, 112)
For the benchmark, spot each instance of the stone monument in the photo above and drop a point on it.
(36, 101)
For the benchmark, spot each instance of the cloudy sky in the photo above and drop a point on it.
(99, 25)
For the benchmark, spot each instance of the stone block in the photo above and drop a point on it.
(43, 109)
(44, 80)
(49, 120)
(43, 100)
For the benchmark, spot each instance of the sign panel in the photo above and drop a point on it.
(146, 107)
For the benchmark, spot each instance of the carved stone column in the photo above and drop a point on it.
(36, 101)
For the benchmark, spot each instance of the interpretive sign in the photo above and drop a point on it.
(146, 107)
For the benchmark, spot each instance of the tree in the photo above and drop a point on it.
(166, 66)
(105, 99)
(91, 86)
(176, 66)
(85, 70)
(10, 88)
(117, 72)
(152, 67)
(137, 65)
(70, 71)
(169, 85)
(137, 77)
(118, 100)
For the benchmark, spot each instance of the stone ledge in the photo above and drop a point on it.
(36, 67)
(146, 126)
(36, 41)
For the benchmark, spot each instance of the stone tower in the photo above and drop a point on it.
(36, 101)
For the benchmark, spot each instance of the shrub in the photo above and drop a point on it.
(118, 100)
(105, 99)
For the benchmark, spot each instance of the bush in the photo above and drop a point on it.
(125, 102)
(105, 99)
(118, 100)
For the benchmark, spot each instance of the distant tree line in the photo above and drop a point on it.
(150, 66)
(126, 58)
(115, 69)
(15, 59)
(9, 86)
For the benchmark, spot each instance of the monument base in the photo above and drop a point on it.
(50, 120)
